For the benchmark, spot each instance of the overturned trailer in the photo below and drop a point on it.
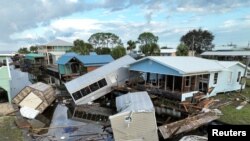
(136, 118)
(37, 96)
(100, 81)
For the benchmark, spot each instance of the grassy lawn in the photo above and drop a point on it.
(8, 130)
(230, 114)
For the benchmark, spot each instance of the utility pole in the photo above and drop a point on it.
(193, 47)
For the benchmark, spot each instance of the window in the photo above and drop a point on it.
(94, 87)
(85, 91)
(77, 95)
(187, 81)
(215, 78)
(102, 83)
(238, 78)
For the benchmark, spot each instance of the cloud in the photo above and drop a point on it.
(212, 6)
(42, 20)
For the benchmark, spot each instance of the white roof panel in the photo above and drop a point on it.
(228, 64)
(188, 64)
(172, 50)
(99, 73)
(134, 102)
(226, 53)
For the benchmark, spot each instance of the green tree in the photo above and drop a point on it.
(150, 49)
(182, 50)
(81, 47)
(104, 50)
(23, 50)
(131, 45)
(33, 49)
(147, 38)
(198, 40)
(149, 44)
(102, 39)
(118, 52)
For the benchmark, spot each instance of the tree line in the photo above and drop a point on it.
(196, 40)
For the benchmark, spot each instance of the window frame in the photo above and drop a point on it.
(216, 77)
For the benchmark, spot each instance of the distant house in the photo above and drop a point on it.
(4, 54)
(135, 120)
(100, 81)
(71, 65)
(53, 47)
(168, 52)
(33, 63)
(181, 77)
(231, 55)
(54, 56)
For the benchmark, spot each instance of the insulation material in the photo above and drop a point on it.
(28, 112)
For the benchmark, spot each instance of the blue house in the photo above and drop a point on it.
(181, 77)
(71, 65)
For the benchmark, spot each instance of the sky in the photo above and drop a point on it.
(35, 22)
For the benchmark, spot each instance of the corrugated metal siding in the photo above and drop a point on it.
(137, 101)
(143, 126)
(123, 76)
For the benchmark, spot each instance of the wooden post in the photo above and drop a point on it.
(173, 84)
(166, 79)
(182, 80)
(195, 82)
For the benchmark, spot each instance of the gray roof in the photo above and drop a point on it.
(58, 42)
(226, 53)
(40, 86)
(99, 73)
(134, 102)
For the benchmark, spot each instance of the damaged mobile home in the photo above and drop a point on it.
(136, 118)
(172, 78)
(98, 82)
(35, 98)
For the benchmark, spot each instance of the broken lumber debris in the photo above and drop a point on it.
(187, 124)
(6, 109)
(37, 96)
(136, 118)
